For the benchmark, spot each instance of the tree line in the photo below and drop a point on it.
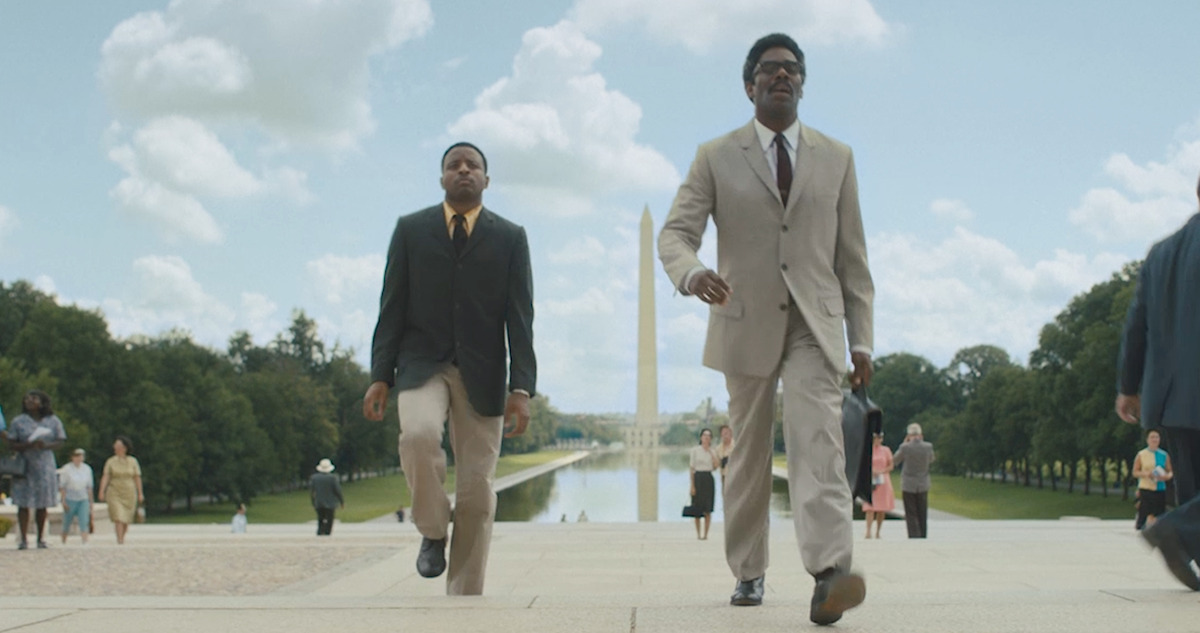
(205, 423)
(239, 422)
(1050, 420)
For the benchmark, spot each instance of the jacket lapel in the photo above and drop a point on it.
(438, 232)
(483, 228)
(753, 152)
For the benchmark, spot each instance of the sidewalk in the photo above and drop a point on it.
(995, 576)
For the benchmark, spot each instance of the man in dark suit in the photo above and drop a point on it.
(792, 284)
(1159, 383)
(326, 493)
(455, 318)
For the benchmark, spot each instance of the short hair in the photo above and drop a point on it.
(1154, 430)
(464, 144)
(702, 433)
(44, 408)
(766, 43)
(124, 439)
(914, 429)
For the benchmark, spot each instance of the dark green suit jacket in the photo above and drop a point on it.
(475, 310)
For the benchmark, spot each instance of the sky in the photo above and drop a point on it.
(212, 165)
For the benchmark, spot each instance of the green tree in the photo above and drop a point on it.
(904, 386)
(971, 365)
(678, 434)
(1076, 358)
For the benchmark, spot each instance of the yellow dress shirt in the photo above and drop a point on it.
(471, 216)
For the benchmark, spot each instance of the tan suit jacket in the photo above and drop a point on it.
(813, 249)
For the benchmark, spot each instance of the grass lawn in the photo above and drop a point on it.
(365, 499)
(979, 499)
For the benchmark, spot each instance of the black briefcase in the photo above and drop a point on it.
(861, 419)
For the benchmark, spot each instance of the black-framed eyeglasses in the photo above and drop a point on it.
(792, 68)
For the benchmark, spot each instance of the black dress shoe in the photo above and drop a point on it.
(431, 562)
(748, 593)
(1167, 542)
(836, 592)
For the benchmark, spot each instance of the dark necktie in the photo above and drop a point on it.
(783, 168)
(460, 233)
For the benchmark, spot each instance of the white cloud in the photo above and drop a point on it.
(166, 296)
(260, 317)
(555, 135)
(692, 324)
(338, 279)
(350, 329)
(1147, 201)
(46, 284)
(8, 222)
(297, 69)
(593, 301)
(182, 154)
(953, 210)
(969, 289)
(273, 72)
(175, 214)
(583, 250)
(172, 162)
(699, 25)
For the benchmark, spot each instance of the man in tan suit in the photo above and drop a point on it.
(791, 269)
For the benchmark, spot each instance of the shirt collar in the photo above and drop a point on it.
(766, 136)
(470, 215)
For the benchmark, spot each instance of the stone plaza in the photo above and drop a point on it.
(1070, 575)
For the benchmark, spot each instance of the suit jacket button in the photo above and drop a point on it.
(783, 266)
(783, 306)
(785, 228)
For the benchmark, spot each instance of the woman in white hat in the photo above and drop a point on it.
(326, 492)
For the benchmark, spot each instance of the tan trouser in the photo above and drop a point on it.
(812, 430)
(475, 440)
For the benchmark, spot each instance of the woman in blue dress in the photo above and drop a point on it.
(35, 434)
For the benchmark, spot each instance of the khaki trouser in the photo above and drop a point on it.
(812, 429)
(475, 440)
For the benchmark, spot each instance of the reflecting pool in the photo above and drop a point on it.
(615, 488)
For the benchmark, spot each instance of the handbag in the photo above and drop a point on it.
(12, 465)
(691, 512)
(861, 418)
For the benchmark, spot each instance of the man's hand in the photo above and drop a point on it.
(709, 286)
(516, 414)
(863, 370)
(1129, 407)
(375, 402)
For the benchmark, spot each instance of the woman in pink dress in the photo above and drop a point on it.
(883, 499)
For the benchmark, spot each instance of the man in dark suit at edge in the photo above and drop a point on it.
(1158, 383)
(456, 307)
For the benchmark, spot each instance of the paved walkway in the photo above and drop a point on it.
(1002, 576)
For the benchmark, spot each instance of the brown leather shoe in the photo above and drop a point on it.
(835, 593)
